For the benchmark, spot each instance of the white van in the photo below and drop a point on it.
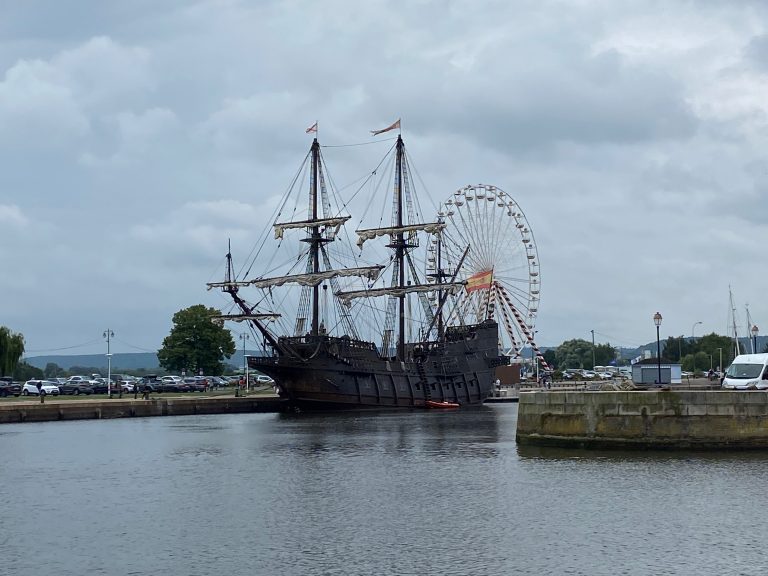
(748, 371)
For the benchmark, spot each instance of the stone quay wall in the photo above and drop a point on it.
(652, 419)
(114, 408)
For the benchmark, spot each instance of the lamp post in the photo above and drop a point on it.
(245, 337)
(754, 338)
(720, 366)
(593, 349)
(657, 321)
(108, 334)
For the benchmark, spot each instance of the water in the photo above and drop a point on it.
(387, 494)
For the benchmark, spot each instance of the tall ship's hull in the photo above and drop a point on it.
(336, 373)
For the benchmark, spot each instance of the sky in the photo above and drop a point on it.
(137, 138)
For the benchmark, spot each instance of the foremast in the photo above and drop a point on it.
(320, 230)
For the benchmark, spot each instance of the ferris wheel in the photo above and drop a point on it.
(501, 268)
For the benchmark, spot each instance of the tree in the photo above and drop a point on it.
(576, 353)
(710, 344)
(605, 354)
(675, 349)
(11, 349)
(195, 342)
(53, 370)
(550, 358)
(24, 371)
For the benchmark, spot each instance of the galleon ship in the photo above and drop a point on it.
(336, 335)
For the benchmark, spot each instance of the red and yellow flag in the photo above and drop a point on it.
(387, 129)
(479, 281)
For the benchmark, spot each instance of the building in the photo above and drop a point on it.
(646, 372)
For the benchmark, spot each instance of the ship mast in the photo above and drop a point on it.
(400, 247)
(315, 240)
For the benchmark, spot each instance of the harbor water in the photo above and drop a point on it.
(391, 493)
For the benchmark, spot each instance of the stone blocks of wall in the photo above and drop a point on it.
(710, 419)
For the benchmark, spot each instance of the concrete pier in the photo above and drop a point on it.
(667, 419)
(34, 411)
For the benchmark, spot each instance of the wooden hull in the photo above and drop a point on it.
(328, 373)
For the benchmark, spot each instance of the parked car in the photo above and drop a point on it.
(150, 383)
(196, 384)
(37, 387)
(75, 387)
(170, 386)
(263, 379)
(588, 374)
(605, 375)
(174, 379)
(127, 385)
(217, 382)
(8, 387)
(99, 386)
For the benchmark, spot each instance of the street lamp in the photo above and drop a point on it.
(720, 366)
(593, 349)
(657, 321)
(693, 344)
(244, 337)
(108, 334)
(754, 339)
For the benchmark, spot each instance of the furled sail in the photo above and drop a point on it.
(243, 317)
(371, 233)
(336, 222)
(311, 279)
(451, 287)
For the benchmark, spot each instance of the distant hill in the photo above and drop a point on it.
(129, 361)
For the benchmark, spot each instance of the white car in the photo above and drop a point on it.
(588, 374)
(172, 379)
(605, 375)
(127, 385)
(262, 379)
(31, 387)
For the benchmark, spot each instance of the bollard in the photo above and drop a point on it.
(42, 397)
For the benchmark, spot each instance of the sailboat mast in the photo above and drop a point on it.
(315, 239)
(400, 247)
(736, 347)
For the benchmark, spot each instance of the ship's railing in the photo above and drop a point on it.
(339, 340)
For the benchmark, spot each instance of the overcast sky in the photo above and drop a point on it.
(136, 137)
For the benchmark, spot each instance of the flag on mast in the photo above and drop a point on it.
(387, 129)
(312, 128)
(479, 281)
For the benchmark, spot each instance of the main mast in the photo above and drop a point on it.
(315, 240)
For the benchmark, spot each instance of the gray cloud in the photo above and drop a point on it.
(136, 139)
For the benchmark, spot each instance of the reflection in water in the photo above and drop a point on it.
(469, 432)
(416, 492)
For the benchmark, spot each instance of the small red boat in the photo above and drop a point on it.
(436, 404)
